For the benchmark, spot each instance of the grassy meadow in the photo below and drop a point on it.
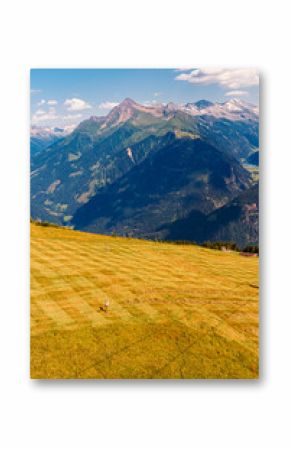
(176, 311)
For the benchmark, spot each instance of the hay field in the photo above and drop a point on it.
(176, 311)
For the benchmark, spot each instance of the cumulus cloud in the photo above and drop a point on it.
(157, 94)
(108, 105)
(76, 104)
(42, 116)
(50, 114)
(41, 102)
(72, 117)
(236, 93)
(40, 112)
(228, 78)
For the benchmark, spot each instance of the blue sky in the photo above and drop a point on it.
(68, 96)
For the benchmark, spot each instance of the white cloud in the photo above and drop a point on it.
(35, 91)
(150, 102)
(42, 116)
(49, 102)
(228, 78)
(40, 112)
(108, 105)
(76, 104)
(183, 69)
(157, 94)
(72, 117)
(236, 93)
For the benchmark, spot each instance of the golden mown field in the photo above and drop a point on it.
(176, 311)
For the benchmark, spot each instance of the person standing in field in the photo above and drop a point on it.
(106, 305)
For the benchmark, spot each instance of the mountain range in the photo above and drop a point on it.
(155, 171)
(42, 137)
